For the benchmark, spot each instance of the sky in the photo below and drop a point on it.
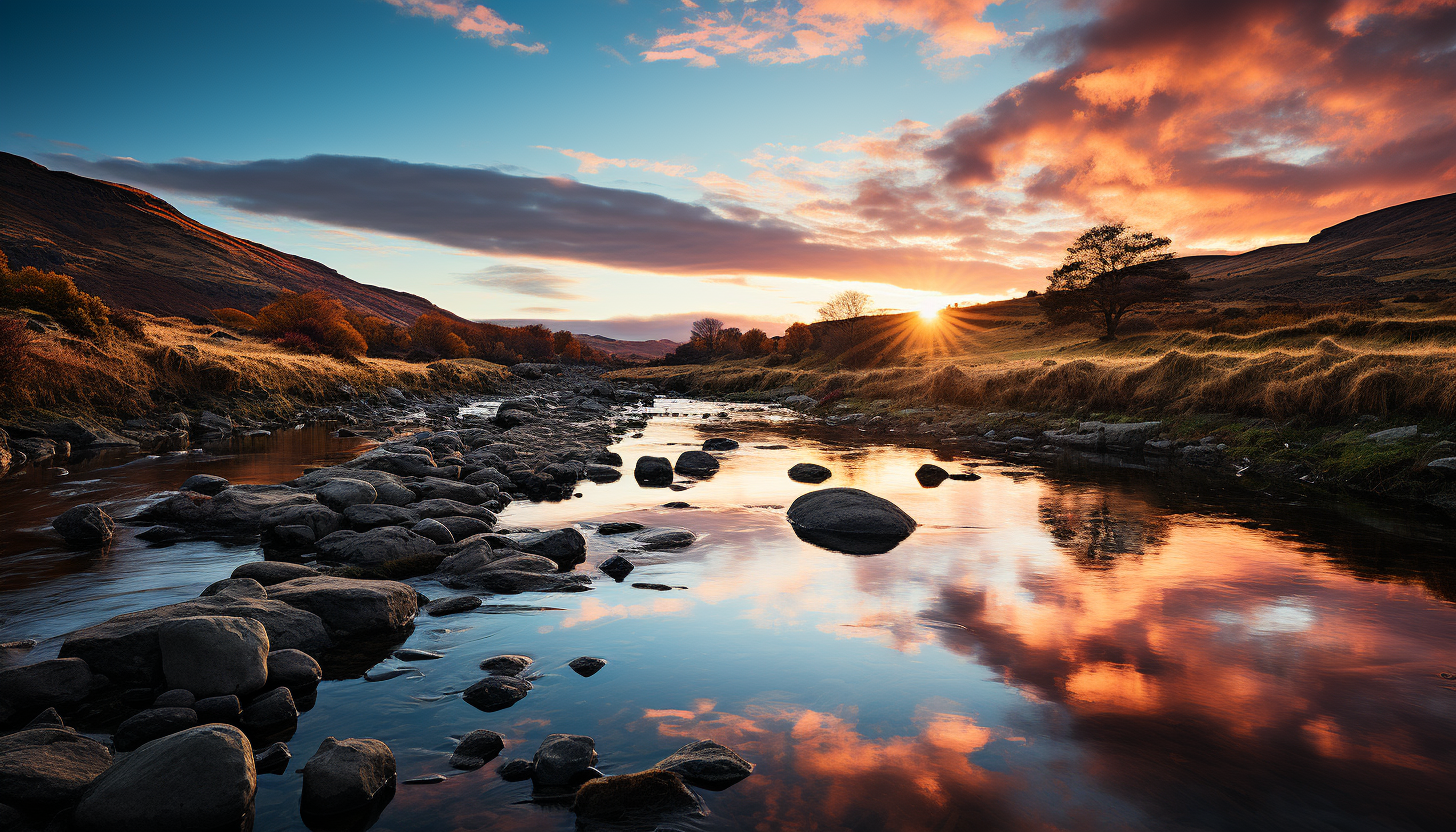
(622, 167)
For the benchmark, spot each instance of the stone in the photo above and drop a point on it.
(461, 528)
(452, 605)
(706, 763)
(619, 528)
(696, 464)
(431, 488)
(476, 749)
(506, 665)
(341, 493)
(210, 422)
(46, 683)
(374, 547)
(48, 718)
(566, 547)
(273, 759)
(153, 723)
(1445, 467)
(667, 537)
(293, 669)
(1103, 437)
(500, 578)
(85, 525)
(436, 531)
(273, 709)
(201, 778)
(515, 771)
(441, 507)
(602, 473)
(1386, 437)
(270, 572)
(849, 520)
(348, 606)
(346, 775)
(617, 567)
(227, 709)
(163, 534)
(236, 588)
(720, 443)
(48, 767)
(362, 518)
(809, 472)
(586, 665)
(799, 402)
(640, 797)
(237, 509)
(214, 655)
(410, 654)
(653, 471)
(562, 758)
(929, 476)
(204, 484)
(178, 698)
(495, 693)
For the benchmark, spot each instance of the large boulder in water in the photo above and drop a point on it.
(346, 775)
(494, 693)
(809, 472)
(349, 606)
(643, 797)
(374, 547)
(653, 471)
(850, 520)
(202, 778)
(48, 767)
(696, 464)
(32, 687)
(214, 655)
(85, 525)
(564, 546)
(706, 763)
(563, 757)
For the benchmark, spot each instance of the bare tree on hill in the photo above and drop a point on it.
(1108, 270)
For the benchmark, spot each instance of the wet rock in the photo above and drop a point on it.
(506, 665)
(154, 723)
(177, 698)
(719, 443)
(362, 518)
(452, 605)
(461, 528)
(293, 669)
(374, 547)
(706, 763)
(434, 488)
(201, 778)
(273, 759)
(602, 473)
(696, 464)
(346, 775)
(85, 525)
(656, 587)
(350, 606)
(667, 537)
(676, 504)
(494, 693)
(1445, 467)
(849, 520)
(809, 472)
(586, 665)
(268, 572)
(436, 531)
(653, 471)
(227, 709)
(204, 484)
(214, 655)
(273, 709)
(930, 476)
(476, 749)
(1386, 437)
(163, 534)
(507, 581)
(642, 797)
(619, 528)
(440, 507)
(409, 654)
(31, 687)
(244, 588)
(617, 567)
(515, 771)
(48, 767)
(1116, 437)
(562, 758)
(236, 509)
(566, 547)
(341, 493)
(48, 718)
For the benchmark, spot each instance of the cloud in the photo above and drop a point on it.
(472, 21)
(793, 32)
(592, 163)
(491, 212)
(524, 280)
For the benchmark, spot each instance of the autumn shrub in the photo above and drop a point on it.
(130, 323)
(298, 342)
(435, 335)
(384, 338)
(54, 294)
(316, 315)
(235, 319)
(16, 358)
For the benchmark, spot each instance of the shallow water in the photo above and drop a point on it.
(1068, 650)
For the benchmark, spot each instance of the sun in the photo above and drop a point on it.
(930, 313)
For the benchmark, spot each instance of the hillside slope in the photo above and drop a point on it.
(135, 250)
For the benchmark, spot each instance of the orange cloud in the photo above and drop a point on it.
(473, 21)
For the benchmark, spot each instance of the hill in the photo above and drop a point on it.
(629, 349)
(132, 249)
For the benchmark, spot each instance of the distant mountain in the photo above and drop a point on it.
(1408, 248)
(643, 349)
(132, 249)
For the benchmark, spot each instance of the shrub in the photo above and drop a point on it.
(130, 323)
(298, 342)
(55, 295)
(316, 315)
(235, 319)
(383, 337)
(434, 335)
(16, 358)
(797, 340)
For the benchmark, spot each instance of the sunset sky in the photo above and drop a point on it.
(637, 163)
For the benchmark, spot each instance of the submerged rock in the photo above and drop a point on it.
(642, 797)
(930, 475)
(346, 775)
(809, 472)
(849, 520)
(696, 464)
(586, 665)
(653, 471)
(495, 693)
(719, 443)
(666, 537)
(619, 528)
(452, 605)
(476, 749)
(85, 525)
(706, 763)
(562, 758)
(505, 665)
(617, 567)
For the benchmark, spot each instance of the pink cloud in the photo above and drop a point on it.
(592, 163)
(473, 21)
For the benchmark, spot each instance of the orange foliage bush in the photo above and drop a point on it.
(235, 319)
(436, 334)
(316, 315)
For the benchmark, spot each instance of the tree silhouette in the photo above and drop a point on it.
(1108, 270)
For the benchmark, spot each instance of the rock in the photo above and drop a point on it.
(374, 547)
(349, 606)
(676, 504)
(46, 683)
(494, 693)
(1117, 437)
(653, 471)
(409, 654)
(505, 665)
(1386, 437)
(440, 507)
(85, 525)
(435, 531)
(517, 770)
(227, 709)
(930, 476)
(154, 723)
(500, 578)
(341, 493)
(799, 402)
(273, 709)
(641, 797)
(656, 587)
(562, 758)
(236, 509)
(434, 488)
(619, 528)
(602, 473)
(201, 778)
(566, 547)
(1445, 467)
(452, 605)
(48, 718)
(178, 698)
(214, 655)
(163, 534)
(696, 464)
(293, 669)
(461, 528)
(210, 422)
(345, 775)
(667, 537)
(48, 767)
(849, 520)
(617, 567)
(273, 759)
(809, 472)
(476, 749)
(706, 763)
(720, 443)
(204, 484)
(269, 572)
(362, 518)
(586, 665)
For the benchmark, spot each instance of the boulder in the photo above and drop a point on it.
(153, 723)
(696, 464)
(348, 606)
(214, 655)
(273, 759)
(236, 509)
(434, 488)
(48, 718)
(270, 572)
(720, 443)
(341, 493)
(1445, 467)
(436, 531)
(85, 525)
(706, 763)
(451, 606)
(929, 476)
(293, 669)
(346, 775)
(204, 484)
(374, 547)
(462, 527)
(48, 767)
(1386, 437)
(617, 567)
(1102, 437)
(245, 588)
(273, 709)
(653, 471)
(586, 665)
(565, 547)
(210, 422)
(507, 581)
(201, 778)
(602, 473)
(441, 507)
(800, 402)
(809, 472)
(562, 758)
(476, 749)
(362, 518)
(666, 537)
(177, 698)
(218, 709)
(495, 693)
(515, 771)
(506, 665)
(31, 687)
(637, 798)
(849, 520)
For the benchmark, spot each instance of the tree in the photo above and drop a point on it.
(561, 340)
(797, 340)
(845, 306)
(1108, 270)
(730, 340)
(707, 330)
(754, 342)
